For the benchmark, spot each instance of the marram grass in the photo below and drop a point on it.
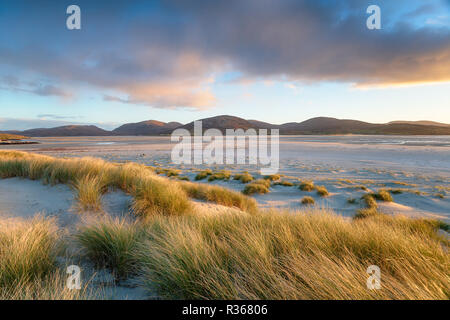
(152, 194)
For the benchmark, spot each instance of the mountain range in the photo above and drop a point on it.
(314, 126)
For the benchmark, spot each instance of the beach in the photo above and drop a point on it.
(416, 167)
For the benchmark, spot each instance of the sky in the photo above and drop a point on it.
(180, 60)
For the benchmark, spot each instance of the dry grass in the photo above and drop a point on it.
(322, 191)
(203, 174)
(152, 194)
(284, 183)
(89, 192)
(277, 255)
(308, 200)
(273, 177)
(307, 186)
(28, 250)
(369, 201)
(220, 175)
(219, 195)
(383, 195)
(110, 243)
(260, 186)
(243, 177)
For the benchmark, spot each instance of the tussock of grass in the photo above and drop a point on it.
(183, 178)
(152, 197)
(244, 177)
(308, 200)
(152, 193)
(203, 174)
(168, 172)
(383, 195)
(370, 201)
(322, 191)
(89, 192)
(368, 212)
(28, 250)
(51, 287)
(273, 177)
(292, 256)
(351, 200)
(219, 195)
(260, 186)
(111, 243)
(284, 183)
(220, 175)
(307, 186)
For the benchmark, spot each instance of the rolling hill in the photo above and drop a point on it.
(314, 126)
(146, 128)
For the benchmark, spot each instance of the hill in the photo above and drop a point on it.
(67, 131)
(146, 128)
(314, 126)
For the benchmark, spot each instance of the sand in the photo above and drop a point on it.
(420, 166)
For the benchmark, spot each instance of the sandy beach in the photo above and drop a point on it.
(416, 167)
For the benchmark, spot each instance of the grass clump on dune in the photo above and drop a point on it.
(219, 195)
(260, 186)
(308, 200)
(322, 191)
(273, 177)
(89, 192)
(220, 175)
(244, 177)
(152, 193)
(28, 262)
(307, 186)
(203, 174)
(370, 201)
(286, 255)
(284, 183)
(111, 243)
(28, 250)
(383, 195)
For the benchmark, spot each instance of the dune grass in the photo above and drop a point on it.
(219, 195)
(383, 195)
(260, 186)
(203, 174)
(283, 183)
(308, 200)
(152, 194)
(219, 175)
(280, 255)
(28, 250)
(370, 201)
(110, 243)
(322, 191)
(307, 186)
(272, 177)
(89, 192)
(243, 177)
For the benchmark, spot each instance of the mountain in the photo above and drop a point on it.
(66, 131)
(421, 122)
(146, 128)
(317, 126)
(222, 123)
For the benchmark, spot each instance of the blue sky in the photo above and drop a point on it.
(173, 60)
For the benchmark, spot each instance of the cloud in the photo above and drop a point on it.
(47, 116)
(168, 55)
(12, 83)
